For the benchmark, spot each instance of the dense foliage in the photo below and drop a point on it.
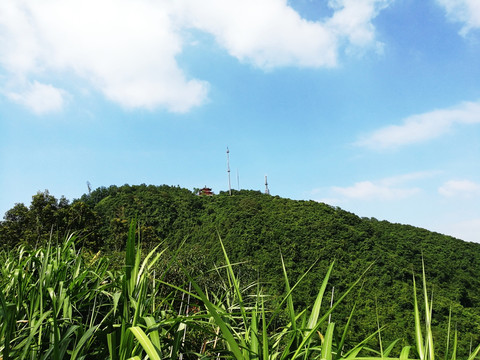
(58, 302)
(257, 228)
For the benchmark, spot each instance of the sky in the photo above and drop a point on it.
(369, 105)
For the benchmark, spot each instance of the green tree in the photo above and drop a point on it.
(16, 223)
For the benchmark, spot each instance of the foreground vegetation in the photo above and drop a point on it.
(256, 230)
(58, 302)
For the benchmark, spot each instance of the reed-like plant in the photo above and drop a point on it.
(52, 303)
(424, 338)
(142, 326)
(56, 303)
(245, 327)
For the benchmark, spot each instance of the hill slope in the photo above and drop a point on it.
(258, 228)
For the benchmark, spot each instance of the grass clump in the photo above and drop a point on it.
(57, 303)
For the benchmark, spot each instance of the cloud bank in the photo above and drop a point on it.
(127, 49)
(422, 127)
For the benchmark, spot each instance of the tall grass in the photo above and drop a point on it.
(247, 331)
(424, 338)
(57, 303)
(52, 302)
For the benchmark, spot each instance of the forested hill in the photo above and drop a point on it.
(258, 228)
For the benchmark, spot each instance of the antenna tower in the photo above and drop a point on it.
(266, 186)
(238, 181)
(228, 171)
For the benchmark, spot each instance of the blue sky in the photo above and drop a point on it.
(369, 105)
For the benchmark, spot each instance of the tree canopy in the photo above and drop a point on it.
(258, 229)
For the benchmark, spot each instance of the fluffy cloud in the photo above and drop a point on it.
(464, 11)
(265, 33)
(269, 33)
(423, 127)
(40, 98)
(352, 20)
(459, 188)
(127, 49)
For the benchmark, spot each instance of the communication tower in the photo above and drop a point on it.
(266, 186)
(238, 181)
(228, 171)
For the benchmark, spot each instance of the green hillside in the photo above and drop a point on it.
(258, 229)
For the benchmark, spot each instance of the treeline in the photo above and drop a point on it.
(258, 229)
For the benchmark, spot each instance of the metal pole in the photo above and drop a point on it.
(228, 170)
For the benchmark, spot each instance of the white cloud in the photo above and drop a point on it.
(459, 188)
(463, 11)
(390, 188)
(265, 33)
(269, 33)
(423, 127)
(367, 190)
(40, 98)
(352, 19)
(127, 49)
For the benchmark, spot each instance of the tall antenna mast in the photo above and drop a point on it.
(238, 181)
(266, 186)
(228, 171)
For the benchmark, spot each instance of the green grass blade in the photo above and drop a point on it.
(85, 337)
(454, 352)
(145, 343)
(404, 353)
(428, 317)
(328, 342)
(254, 342)
(154, 335)
(290, 308)
(390, 347)
(112, 345)
(311, 332)
(353, 353)
(345, 332)
(474, 353)
(264, 334)
(418, 328)
(234, 281)
(8, 327)
(227, 334)
(448, 332)
(177, 341)
(288, 294)
(312, 321)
